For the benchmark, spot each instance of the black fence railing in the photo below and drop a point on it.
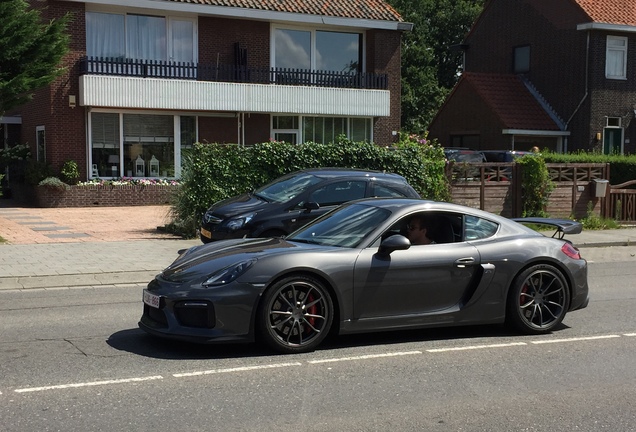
(230, 73)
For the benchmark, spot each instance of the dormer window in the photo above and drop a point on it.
(616, 58)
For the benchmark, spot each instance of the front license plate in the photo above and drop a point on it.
(151, 299)
(206, 233)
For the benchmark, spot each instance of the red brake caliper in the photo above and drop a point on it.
(311, 310)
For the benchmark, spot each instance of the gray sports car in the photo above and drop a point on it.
(354, 270)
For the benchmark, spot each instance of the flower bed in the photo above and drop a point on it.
(106, 193)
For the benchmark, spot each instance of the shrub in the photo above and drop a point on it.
(37, 171)
(622, 167)
(536, 185)
(53, 183)
(70, 172)
(212, 172)
(13, 154)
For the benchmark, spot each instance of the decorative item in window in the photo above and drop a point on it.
(139, 167)
(154, 167)
(95, 171)
(113, 161)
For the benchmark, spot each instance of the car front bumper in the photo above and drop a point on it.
(202, 316)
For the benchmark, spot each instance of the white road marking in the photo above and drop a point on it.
(332, 360)
(473, 347)
(364, 357)
(577, 339)
(87, 384)
(236, 369)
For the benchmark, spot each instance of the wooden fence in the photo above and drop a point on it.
(497, 188)
(620, 203)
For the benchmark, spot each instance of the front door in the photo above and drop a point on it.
(612, 141)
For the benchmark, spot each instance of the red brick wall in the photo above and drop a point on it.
(217, 37)
(383, 56)
(65, 128)
(104, 196)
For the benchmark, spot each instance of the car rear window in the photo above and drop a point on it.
(287, 188)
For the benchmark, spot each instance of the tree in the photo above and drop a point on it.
(430, 64)
(30, 52)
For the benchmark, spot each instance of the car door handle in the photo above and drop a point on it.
(463, 262)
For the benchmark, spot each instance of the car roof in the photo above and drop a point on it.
(330, 172)
(422, 204)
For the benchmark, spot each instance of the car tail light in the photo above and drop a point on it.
(571, 251)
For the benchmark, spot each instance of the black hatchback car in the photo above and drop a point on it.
(287, 203)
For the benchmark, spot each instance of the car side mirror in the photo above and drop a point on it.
(311, 205)
(393, 243)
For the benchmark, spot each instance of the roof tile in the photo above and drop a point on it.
(511, 101)
(361, 9)
(621, 12)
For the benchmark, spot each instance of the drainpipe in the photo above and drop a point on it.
(587, 72)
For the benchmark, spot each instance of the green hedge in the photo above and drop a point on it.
(622, 167)
(212, 172)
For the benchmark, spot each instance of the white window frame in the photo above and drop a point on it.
(120, 113)
(611, 50)
(312, 31)
(300, 135)
(40, 157)
(169, 29)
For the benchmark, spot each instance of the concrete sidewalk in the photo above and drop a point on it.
(86, 247)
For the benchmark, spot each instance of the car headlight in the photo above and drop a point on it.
(228, 274)
(239, 222)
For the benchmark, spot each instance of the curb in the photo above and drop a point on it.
(142, 277)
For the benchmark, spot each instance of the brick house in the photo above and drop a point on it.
(558, 74)
(147, 78)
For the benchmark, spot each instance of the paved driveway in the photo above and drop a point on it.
(27, 225)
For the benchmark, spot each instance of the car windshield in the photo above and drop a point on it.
(286, 188)
(346, 226)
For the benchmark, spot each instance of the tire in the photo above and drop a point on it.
(295, 315)
(538, 299)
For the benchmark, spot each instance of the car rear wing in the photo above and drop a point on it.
(562, 226)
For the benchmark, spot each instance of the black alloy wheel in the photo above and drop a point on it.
(295, 314)
(538, 300)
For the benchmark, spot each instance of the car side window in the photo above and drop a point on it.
(338, 193)
(476, 228)
(387, 191)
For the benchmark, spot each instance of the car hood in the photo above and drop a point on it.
(240, 204)
(198, 263)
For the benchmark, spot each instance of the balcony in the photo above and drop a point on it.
(230, 73)
(126, 84)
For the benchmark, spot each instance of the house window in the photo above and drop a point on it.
(360, 130)
(466, 141)
(40, 144)
(140, 37)
(188, 129)
(616, 58)
(148, 144)
(146, 37)
(138, 145)
(317, 50)
(105, 149)
(321, 130)
(324, 130)
(285, 129)
(521, 59)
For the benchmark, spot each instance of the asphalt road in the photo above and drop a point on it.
(74, 360)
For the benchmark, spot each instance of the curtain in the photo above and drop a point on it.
(146, 37)
(105, 35)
